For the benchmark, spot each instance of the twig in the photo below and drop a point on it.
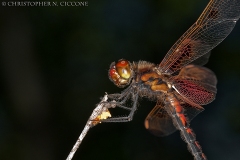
(96, 115)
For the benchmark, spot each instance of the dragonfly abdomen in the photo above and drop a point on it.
(176, 111)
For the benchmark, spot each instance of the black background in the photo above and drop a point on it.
(54, 63)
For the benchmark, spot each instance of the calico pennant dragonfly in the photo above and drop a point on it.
(179, 84)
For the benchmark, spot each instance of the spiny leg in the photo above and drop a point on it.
(130, 115)
(117, 100)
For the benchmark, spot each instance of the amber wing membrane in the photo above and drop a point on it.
(159, 123)
(196, 84)
(212, 27)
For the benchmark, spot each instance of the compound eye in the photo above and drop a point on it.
(123, 69)
(120, 73)
(114, 75)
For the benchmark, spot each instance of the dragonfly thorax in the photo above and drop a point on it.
(120, 73)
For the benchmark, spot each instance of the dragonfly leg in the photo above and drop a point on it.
(117, 100)
(114, 104)
(124, 118)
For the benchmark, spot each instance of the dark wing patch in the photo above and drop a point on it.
(196, 83)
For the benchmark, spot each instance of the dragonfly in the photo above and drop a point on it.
(179, 85)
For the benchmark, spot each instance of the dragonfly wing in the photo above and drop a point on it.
(212, 27)
(190, 109)
(160, 124)
(196, 83)
(202, 60)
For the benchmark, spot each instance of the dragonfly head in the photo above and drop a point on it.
(120, 73)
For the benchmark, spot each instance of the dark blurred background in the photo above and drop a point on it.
(54, 63)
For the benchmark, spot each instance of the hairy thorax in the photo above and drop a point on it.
(152, 82)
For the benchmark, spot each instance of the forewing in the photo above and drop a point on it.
(196, 84)
(212, 27)
(202, 60)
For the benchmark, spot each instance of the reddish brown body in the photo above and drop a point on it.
(178, 84)
(154, 83)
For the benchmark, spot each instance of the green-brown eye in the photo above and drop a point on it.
(120, 73)
(123, 69)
